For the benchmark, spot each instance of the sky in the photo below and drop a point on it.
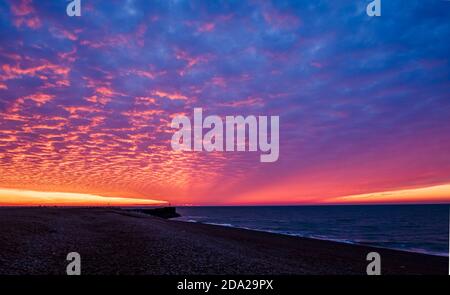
(86, 102)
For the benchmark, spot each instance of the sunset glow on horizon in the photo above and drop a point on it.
(15, 197)
(433, 194)
(86, 102)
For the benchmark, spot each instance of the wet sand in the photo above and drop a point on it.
(115, 241)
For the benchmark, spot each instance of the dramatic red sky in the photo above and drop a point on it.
(86, 102)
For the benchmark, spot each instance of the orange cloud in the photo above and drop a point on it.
(171, 96)
(40, 98)
(41, 71)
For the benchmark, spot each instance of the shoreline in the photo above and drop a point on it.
(346, 242)
(115, 241)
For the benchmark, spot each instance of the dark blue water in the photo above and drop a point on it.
(416, 228)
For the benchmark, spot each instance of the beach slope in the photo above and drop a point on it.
(115, 241)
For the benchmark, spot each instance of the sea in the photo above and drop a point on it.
(414, 228)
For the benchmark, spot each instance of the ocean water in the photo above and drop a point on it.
(415, 228)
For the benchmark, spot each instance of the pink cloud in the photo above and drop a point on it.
(281, 20)
(25, 14)
(249, 101)
(207, 27)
